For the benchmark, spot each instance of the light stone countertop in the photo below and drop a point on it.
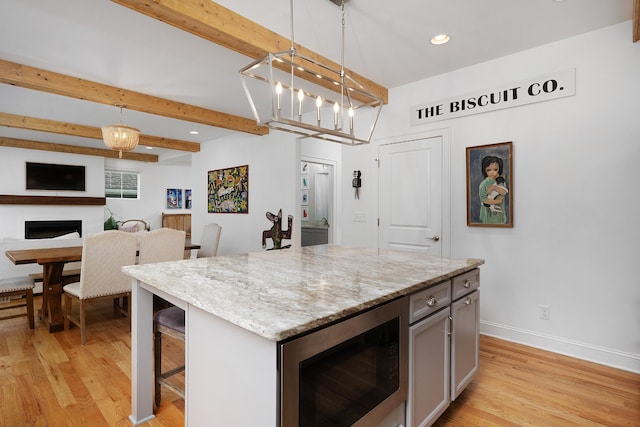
(282, 293)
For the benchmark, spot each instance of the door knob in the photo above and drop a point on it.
(434, 238)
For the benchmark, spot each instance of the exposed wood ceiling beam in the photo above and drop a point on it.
(636, 21)
(63, 128)
(73, 149)
(222, 26)
(60, 84)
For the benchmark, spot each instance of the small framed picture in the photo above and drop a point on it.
(187, 199)
(304, 197)
(490, 185)
(305, 213)
(174, 198)
(304, 182)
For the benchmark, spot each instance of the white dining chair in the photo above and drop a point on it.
(162, 244)
(209, 240)
(171, 321)
(103, 256)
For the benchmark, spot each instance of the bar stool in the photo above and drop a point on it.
(18, 286)
(169, 321)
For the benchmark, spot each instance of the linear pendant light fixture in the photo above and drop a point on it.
(333, 107)
(120, 137)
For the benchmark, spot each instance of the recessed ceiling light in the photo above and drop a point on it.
(440, 39)
(194, 132)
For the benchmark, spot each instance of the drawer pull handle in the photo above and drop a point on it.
(432, 301)
(467, 283)
(467, 301)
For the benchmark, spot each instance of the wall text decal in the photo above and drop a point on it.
(543, 88)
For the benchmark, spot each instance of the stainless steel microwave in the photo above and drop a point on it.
(353, 372)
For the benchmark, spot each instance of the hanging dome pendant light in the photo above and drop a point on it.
(120, 137)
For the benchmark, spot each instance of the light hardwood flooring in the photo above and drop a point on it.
(519, 385)
(51, 380)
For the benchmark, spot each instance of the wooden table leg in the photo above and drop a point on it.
(51, 312)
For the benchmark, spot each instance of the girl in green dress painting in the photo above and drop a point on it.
(492, 191)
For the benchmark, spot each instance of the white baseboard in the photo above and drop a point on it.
(592, 353)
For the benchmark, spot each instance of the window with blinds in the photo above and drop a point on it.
(121, 184)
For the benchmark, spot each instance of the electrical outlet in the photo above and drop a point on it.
(359, 217)
(545, 312)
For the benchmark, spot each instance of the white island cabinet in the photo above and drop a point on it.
(239, 309)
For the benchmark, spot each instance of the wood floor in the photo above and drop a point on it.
(522, 386)
(51, 380)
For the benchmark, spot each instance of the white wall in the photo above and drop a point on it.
(13, 182)
(575, 237)
(155, 179)
(274, 172)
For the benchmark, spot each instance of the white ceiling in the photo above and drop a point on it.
(386, 42)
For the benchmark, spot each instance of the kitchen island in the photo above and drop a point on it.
(238, 309)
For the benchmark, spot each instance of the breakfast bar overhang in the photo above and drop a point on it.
(239, 309)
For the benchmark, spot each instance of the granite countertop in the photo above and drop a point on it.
(280, 294)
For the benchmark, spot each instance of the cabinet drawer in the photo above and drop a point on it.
(429, 300)
(466, 283)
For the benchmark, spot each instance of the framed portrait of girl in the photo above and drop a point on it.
(490, 185)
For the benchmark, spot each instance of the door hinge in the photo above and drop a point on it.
(378, 222)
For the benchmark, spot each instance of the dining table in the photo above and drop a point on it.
(53, 261)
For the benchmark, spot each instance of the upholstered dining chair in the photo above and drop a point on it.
(103, 256)
(162, 244)
(170, 321)
(209, 240)
(18, 286)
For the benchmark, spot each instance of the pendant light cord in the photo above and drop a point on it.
(342, 47)
(291, 20)
(292, 53)
(342, 79)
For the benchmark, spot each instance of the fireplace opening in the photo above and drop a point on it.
(49, 229)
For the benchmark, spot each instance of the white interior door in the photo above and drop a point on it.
(410, 199)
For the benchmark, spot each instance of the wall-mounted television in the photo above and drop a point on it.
(46, 176)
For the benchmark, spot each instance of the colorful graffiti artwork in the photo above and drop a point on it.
(228, 190)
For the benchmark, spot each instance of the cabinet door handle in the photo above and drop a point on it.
(432, 301)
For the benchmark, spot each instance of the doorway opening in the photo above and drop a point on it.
(316, 203)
